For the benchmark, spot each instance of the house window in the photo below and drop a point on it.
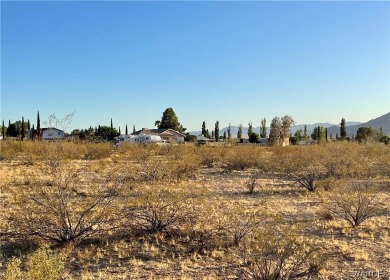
(59, 133)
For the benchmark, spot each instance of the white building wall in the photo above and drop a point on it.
(51, 133)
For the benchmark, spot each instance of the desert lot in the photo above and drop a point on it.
(90, 211)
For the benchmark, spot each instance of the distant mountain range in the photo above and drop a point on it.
(377, 123)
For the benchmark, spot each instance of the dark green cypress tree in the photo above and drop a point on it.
(111, 123)
(229, 132)
(224, 136)
(250, 129)
(319, 133)
(126, 131)
(217, 131)
(239, 132)
(343, 129)
(119, 130)
(326, 134)
(204, 128)
(28, 124)
(263, 128)
(3, 130)
(23, 132)
(134, 129)
(38, 126)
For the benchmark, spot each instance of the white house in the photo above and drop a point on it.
(52, 134)
(164, 133)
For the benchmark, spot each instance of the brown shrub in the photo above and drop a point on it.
(276, 252)
(159, 208)
(353, 201)
(64, 201)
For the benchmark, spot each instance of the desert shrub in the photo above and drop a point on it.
(167, 169)
(159, 208)
(303, 166)
(353, 201)
(242, 223)
(13, 271)
(64, 201)
(251, 182)
(243, 158)
(210, 156)
(43, 264)
(97, 150)
(185, 166)
(275, 252)
(346, 159)
(209, 232)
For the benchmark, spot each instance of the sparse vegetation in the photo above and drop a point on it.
(180, 211)
(354, 201)
(278, 253)
(43, 264)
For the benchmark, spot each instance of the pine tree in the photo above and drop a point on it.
(217, 131)
(170, 120)
(239, 132)
(343, 129)
(126, 131)
(23, 132)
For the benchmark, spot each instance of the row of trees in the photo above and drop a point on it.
(279, 130)
(17, 129)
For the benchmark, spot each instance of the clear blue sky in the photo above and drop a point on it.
(233, 62)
